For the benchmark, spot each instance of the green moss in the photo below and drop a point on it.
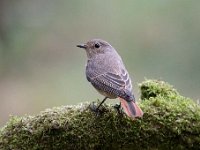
(153, 88)
(170, 121)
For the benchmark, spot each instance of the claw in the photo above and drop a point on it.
(118, 108)
(94, 108)
(97, 109)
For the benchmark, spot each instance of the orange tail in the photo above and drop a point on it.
(131, 108)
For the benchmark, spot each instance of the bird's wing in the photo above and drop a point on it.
(117, 84)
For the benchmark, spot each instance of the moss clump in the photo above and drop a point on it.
(170, 121)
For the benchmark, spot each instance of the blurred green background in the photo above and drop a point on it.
(40, 66)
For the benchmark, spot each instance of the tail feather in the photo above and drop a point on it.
(131, 108)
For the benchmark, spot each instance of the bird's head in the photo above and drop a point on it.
(95, 47)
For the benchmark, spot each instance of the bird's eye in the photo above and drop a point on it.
(96, 45)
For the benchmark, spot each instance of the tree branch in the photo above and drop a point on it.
(170, 121)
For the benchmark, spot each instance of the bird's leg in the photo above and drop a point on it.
(118, 108)
(102, 103)
(96, 109)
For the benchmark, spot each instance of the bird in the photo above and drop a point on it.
(105, 70)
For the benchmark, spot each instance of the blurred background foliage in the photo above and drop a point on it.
(40, 66)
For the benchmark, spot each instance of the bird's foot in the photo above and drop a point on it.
(97, 110)
(118, 108)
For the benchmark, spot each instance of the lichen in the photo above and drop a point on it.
(170, 121)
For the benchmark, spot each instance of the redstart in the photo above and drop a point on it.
(106, 72)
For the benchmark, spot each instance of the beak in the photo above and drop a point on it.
(82, 46)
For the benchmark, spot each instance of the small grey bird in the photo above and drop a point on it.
(107, 73)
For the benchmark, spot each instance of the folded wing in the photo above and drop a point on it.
(116, 84)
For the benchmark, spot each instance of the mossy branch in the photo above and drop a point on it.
(170, 121)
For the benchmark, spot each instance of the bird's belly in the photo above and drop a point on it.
(106, 94)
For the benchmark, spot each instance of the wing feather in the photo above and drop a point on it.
(117, 84)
